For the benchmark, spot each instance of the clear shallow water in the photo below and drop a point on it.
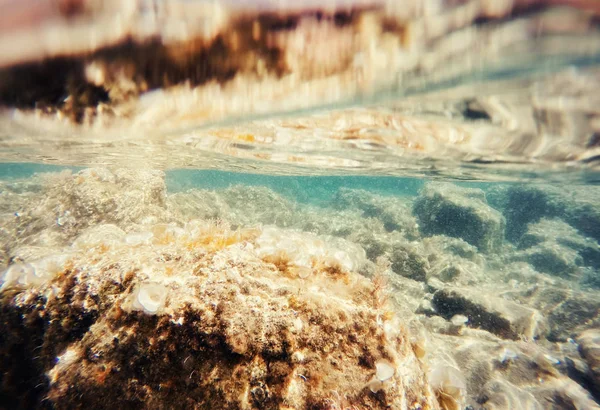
(416, 228)
(493, 276)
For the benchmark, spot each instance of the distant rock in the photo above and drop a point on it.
(393, 212)
(553, 258)
(198, 204)
(454, 246)
(69, 203)
(408, 260)
(556, 231)
(525, 204)
(461, 213)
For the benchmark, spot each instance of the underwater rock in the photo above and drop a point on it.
(590, 278)
(454, 246)
(261, 204)
(198, 204)
(459, 212)
(202, 321)
(513, 374)
(589, 347)
(568, 311)
(457, 271)
(524, 274)
(98, 235)
(552, 258)
(408, 260)
(501, 317)
(558, 231)
(524, 204)
(239, 205)
(70, 203)
(162, 312)
(393, 212)
(347, 223)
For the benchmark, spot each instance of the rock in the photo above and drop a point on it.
(501, 317)
(226, 330)
(525, 204)
(461, 213)
(591, 278)
(454, 246)
(552, 258)
(393, 212)
(255, 204)
(145, 308)
(408, 260)
(556, 231)
(457, 271)
(510, 374)
(71, 203)
(344, 223)
(198, 204)
(569, 312)
(523, 274)
(589, 347)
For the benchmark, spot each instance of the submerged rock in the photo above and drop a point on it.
(454, 246)
(393, 212)
(525, 204)
(144, 309)
(568, 311)
(198, 318)
(553, 258)
(70, 203)
(501, 317)
(461, 213)
(557, 232)
(515, 375)
(409, 260)
(589, 347)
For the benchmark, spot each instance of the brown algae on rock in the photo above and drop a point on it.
(182, 323)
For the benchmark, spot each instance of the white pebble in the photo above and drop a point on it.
(150, 298)
(384, 370)
(459, 320)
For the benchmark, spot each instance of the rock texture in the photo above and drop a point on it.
(229, 331)
(461, 213)
(589, 346)
(524, 204)
(243, 298)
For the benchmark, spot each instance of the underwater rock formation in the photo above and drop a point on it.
(246, 298)
(459, 212)
(200, 317)
(551, 257)
(504, 318)
(556, 231)
(514, 375)
(69, 203)
(394, 212)
(525, 204)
